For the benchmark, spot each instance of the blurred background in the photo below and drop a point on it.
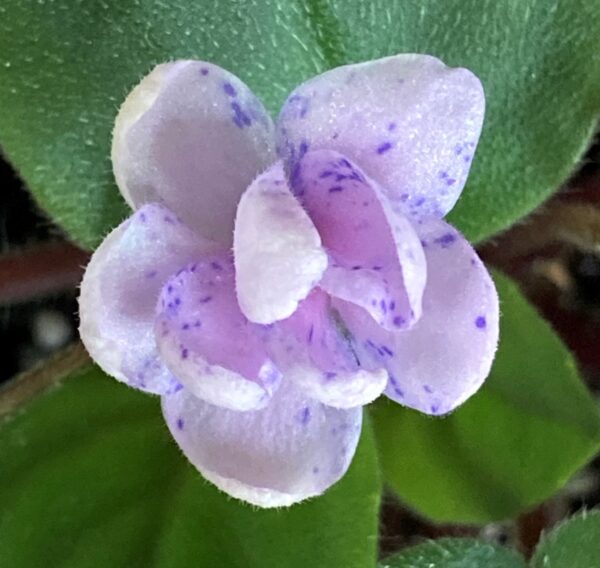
(554, 254)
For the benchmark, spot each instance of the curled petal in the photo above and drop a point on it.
(277, 250)
(177, 136)
(311, 349)
(293, 449)
(440, 362)
(377, 257)
(207, 343)
(411, 122)
(119, 291)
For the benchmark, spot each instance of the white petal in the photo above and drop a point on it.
(277, 250)
(193, 136)
(293, 449)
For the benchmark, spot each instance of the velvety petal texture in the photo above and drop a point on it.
(293, 449)
(119, 291)
(268, 295)
(377, 257)
(312, 349)
(193, 136)
(207, 342)
(441, 361)
(410, 122)
(277, 249)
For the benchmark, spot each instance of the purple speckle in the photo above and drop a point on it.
(399, 321)
(177, 301)
(445, 240)
(311, 332)
(303, 148)
(356, 267)
(383, 148)
(315, 470)
(336, 189)
(204, 71)
(325, 174)
(397, 390)
(391, 126)
(185, 326)
(205, 299)
(304, 415)
(450, 181)
(383, 306)
(215, 265)
(197, 323)
(419, 201)
(458, 149)
(330, 375)
(427, 388)
(392, 306)
(184, 353)
(180, 423)
(168, 219)
(240, 118)
(480, 322)
(376, 267)
(143, 217)
(229, 89)
(435, 408)
(387, 350)
(335, 135)
(151, 273)
(404, 197)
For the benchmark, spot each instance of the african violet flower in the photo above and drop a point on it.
(274, 279)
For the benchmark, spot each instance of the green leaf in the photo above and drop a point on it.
(455, 553)
(66, 65)
(516, 442)
(89, 477)
(573, 544)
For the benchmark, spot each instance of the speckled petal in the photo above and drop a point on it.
(377, 260)
(311, 349)
(293, 449)
(193, 136)
(443, 360)
(119, 291)
(277, 250)
(411, 122)
(207, 343)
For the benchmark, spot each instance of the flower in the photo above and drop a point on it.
(274, 279)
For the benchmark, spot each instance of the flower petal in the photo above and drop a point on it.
(119, 291)
(293, 449)
(277, 250)
(193, 136)
(311, 350)
(441, 361)
(411, 122)
(207, 343)
(378, 261)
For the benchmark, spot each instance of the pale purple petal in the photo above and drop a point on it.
(193, 136)
(377, 257)
(441, 361)
(411, 122)
(312, 350)
(119, 291)
(293, 449)
(207, 343)
(277, 250)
